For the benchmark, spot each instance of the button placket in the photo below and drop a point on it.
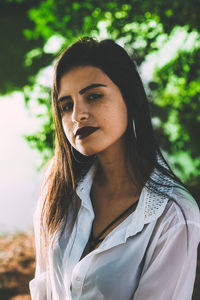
(80, 271)
(78, 278)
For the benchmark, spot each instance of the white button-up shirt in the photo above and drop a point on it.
(144, 257)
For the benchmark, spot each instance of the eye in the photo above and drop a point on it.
(67, 107)
(93, 97)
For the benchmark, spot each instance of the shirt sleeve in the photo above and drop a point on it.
(169, 272)
(38, 285)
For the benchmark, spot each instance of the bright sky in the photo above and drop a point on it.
(19, 182)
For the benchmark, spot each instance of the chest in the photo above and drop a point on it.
(114, 271)
(108, 216)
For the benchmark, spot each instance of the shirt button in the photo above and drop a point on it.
(78, 278)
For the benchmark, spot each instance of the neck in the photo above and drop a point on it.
(112, 173)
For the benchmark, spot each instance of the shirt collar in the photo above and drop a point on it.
(150, 206)
(84, 187)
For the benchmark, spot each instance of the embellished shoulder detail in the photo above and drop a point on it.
(151, 203)
(154, 205)
(155, 202)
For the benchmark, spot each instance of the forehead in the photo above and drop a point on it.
(82, 76)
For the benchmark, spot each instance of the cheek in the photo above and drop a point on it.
(124, 114)
(120, 118)
(68, 130)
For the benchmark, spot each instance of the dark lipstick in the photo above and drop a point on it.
(85, 131)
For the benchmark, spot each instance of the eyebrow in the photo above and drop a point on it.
(82, 91)
(91, 86)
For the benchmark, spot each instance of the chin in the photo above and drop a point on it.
(87, 153)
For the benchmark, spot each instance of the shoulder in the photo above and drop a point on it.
(47, 173)
(44, 188)
(182, 202)
(181, 211)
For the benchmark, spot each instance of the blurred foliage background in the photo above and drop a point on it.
(161, 36)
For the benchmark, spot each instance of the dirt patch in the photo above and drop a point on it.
(17, 265)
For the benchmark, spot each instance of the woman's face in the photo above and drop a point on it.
(94, 114)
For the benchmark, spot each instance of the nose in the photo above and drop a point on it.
(80, 113)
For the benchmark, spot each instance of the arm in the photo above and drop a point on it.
(169, 273)
(38, 286)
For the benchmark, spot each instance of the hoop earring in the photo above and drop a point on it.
(134, 129)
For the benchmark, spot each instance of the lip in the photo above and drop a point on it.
(85, 131)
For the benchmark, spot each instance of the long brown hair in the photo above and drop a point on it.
(144, 154)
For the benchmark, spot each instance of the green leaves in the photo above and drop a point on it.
(178, 89)
(34, 32)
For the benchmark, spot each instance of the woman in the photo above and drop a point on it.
(113, 221)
